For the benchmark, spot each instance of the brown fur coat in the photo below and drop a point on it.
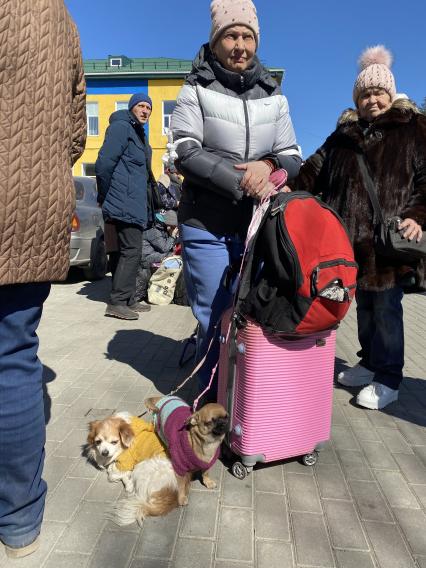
(395, 148)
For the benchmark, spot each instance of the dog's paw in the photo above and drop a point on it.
(209, 483)
(184, 502)
(129, 487)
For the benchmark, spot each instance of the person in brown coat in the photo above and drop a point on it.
(389, 133)
(42, 133)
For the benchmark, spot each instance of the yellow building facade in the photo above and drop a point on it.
(160, 91)
(110, 84)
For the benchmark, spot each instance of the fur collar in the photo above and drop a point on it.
(400, 106)
(206, 69)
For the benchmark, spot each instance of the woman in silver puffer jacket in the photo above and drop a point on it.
(231, 129)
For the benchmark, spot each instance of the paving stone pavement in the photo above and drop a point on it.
(361, 506)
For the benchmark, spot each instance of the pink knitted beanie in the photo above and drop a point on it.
(375, 63)
(226, 13)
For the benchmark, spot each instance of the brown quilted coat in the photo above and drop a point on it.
(42, 133)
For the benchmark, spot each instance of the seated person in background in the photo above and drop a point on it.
(169, 189)
(157, 243)
(175, 180)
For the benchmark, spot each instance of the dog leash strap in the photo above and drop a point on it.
(197, 367)
(194, 406)
(255, 221)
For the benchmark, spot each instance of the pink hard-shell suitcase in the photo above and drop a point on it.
(278, 393)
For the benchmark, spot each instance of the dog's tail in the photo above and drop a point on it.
(161, 502)
(128, 510)
(156, 492)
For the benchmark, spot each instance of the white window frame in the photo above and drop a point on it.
(119, 64)
(91, 132)
(126, 103)
(167, 117)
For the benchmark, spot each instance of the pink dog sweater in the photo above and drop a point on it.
(171, 426)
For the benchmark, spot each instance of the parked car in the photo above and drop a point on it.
(87, 231)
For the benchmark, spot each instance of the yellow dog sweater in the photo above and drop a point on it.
(146, 444)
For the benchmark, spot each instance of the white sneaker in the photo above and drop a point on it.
(376, 396)
(357, 376)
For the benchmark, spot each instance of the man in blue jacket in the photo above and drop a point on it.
(124, 177)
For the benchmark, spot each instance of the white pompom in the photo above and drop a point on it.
(377, 54)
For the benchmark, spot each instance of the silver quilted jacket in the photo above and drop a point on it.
(221, 119)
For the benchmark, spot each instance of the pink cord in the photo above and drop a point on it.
(278, 179)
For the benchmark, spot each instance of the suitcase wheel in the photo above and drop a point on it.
(310, 459)
(239, 470)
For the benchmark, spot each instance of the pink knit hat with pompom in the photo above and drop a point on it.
(375, 63)
(226, 13)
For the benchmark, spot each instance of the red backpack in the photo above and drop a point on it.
(300, 274)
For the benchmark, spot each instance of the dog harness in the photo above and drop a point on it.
(146, 444)
(171, 425)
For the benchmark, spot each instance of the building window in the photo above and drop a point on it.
(121, 105)
(115, 62)
(168, 108)
(92, 110)
(89, 169)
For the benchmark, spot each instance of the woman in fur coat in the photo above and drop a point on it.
(388, 130)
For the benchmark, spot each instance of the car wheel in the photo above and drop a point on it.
(99, 262)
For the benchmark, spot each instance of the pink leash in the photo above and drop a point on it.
(278, 178)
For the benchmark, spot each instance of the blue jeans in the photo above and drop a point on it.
(381, 334)
(207, 258)
(22, 424)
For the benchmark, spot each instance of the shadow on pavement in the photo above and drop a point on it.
(96, 291)
(49, 375)
(153, 356)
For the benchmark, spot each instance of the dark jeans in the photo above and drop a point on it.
(381, 334)
(124, 277)
(22, 423)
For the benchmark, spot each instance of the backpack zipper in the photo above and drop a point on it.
(290, 250)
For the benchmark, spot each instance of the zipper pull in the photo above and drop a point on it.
(314, 281)
(278, 209)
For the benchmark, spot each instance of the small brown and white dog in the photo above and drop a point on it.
(155, 493)
(193, 439)
(125, 441)
(119, 442)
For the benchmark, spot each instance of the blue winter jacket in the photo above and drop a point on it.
(123, 170)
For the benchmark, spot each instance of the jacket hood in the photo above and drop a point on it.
(125, 115)
(401, 107)
(206, 69)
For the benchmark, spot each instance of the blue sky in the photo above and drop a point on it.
(317, 42)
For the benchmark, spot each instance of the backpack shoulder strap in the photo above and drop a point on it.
(276, 204)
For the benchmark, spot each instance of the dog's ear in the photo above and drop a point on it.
(192, 420)
(150, 404)
(93, 427)
(126, 434)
